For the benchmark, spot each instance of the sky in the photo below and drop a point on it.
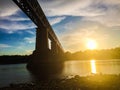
(75, 22)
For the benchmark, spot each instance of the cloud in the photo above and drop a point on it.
(15, 26)
(111, 2)
(4, 46)
(73, 8)
(105, 12)
(76, 37)
(31, 32)
(13, 18)
(56, 20)
(28, 52)
(7, 8)
(109, 19)
(30, 39)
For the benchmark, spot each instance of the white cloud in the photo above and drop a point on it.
(30, 39)
(111, 2)
(106, 12)
(15, 18)
(103, 11)
(14, 26)
(31, 32)
(7, 8)
(56, 20)
(71, 7)
(4, 46)
(109, 19)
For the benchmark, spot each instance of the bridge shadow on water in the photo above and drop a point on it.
(45, 69)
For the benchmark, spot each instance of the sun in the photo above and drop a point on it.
(91, 44)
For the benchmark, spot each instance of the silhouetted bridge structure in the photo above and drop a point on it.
(44, 31)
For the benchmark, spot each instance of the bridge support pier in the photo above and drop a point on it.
(42, 45)
(44, 58)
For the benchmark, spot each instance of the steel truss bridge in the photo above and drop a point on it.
(44, 31)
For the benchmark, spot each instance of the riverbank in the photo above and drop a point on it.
(93, 82)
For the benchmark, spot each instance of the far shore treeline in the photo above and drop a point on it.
(113, 53)
(13, 59)
(102, 54)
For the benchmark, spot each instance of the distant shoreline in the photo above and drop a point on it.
(16, 59)
(13, 59)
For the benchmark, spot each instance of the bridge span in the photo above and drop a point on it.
(44, 31)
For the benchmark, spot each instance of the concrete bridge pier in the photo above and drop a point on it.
(42, 46)
(56, 51)
(53, 49)
(44, 58)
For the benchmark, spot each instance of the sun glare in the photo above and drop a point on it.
(91, 44)
(93, 66)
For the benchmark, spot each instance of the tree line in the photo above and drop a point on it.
(13, 59)
(113, 53)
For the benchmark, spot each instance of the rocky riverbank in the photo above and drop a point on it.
(93, 82)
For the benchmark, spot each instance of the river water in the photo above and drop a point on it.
(17, 73)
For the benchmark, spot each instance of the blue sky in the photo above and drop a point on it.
(74, 22)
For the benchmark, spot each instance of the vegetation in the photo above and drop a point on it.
(94, 54)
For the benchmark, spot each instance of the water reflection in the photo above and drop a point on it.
(86, 67)
(46, 71)
(93, 66)
(18, 73)
(76, 67)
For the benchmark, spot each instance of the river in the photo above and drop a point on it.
(17, 73)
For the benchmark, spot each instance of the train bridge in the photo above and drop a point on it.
(44, 31)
